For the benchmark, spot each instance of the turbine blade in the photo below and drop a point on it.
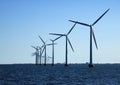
(51, 40)
(70, 44)
(42, 40)
(57, 38)
(72, 21)
(42, 51)
(94, 39)
(57, 34)
(33, 54)
(49, 44)
(33, 47)
(79, 23)
(71, 29)
(42, 46)
(100, 17)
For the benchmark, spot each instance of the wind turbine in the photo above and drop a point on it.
(44, 44)
(91, 34)
(36, 54)
(67, 41)
(41, 52)
(53, 49)
(44, 48)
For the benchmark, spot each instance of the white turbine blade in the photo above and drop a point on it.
(100, 17)
(94, 38)
(71, 29)
(41, 39)
(79, 23)
(70, 44)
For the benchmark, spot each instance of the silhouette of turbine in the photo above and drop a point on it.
(41, 49)
(53, 49)
(91, 34)
(36, 54)
(67, 41)
(44, 44)
(44, 48)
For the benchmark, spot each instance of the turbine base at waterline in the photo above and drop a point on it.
(90, 65)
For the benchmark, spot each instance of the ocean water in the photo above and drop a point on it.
(74, 74)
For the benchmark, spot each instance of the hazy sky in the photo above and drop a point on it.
(21, 21)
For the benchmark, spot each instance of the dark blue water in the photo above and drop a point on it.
(74, 74)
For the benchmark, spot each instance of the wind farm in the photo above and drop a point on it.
(59, 42)
(67, 40)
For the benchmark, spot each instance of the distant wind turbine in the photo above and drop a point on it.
(91, 34)
(41, 52)
(44, 44)
(36, 54)
(44, 48)
(67, 41)
(53, 49)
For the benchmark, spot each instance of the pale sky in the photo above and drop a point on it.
(21, 21)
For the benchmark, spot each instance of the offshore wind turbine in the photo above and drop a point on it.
(44, 44)
(91, 34)
(36, 54)
(53, 49)
(66, 45)
(44, 48)
(41, 49)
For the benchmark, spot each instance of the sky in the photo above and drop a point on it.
(22, 21)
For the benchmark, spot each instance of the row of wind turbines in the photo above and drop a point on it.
(42, 49)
